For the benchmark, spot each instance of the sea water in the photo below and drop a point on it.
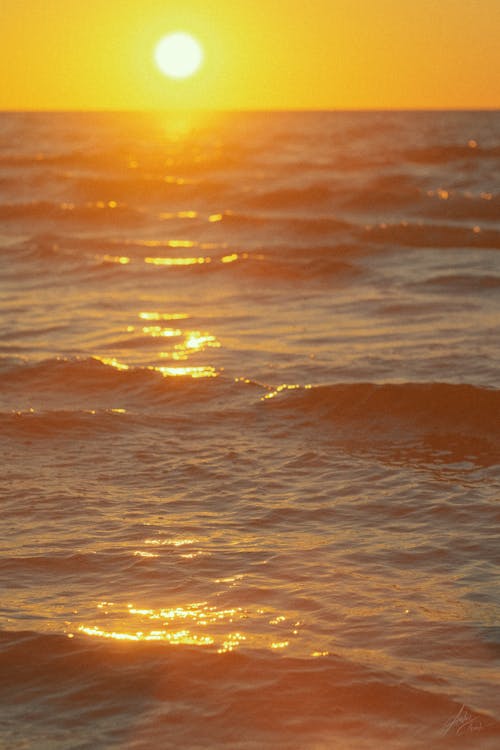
(250, 430)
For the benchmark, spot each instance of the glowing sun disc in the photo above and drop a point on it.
(178, 55)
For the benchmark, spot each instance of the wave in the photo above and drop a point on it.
(94, 257)
(39, 160)
(383, 192)
(327, 228)
(78, 564)
(291, 198)
(410, 407)
(144, 693)
(151, 189)
(425, 234)
(323, 224)
(462, 206)
(301, 265)
(89, 396)
(89, 158)
(240, 232)
(101, 380)
(443, 153)
(460, 283)
(397, 192)
(440, 403)
(80, 424)
(100, 212)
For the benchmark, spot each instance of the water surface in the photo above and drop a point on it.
(250, 426)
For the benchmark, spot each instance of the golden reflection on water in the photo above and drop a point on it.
(69, 206)
(185, 344)
(202, 371)
(181, 243)
(122, 260)
(112, 362)
(194, 341)
(180, 215)
(177, 261)
(198, 615)
(195, 624)
(171, 542)
(156, 331)
(178, 637)
(172, 179)
(142, 553)
(162, 316)
(285, 387)
(232, 641)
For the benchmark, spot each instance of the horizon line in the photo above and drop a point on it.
(246, 110)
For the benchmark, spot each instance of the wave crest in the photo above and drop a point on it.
(370, 407)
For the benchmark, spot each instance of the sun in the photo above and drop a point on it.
(178, 55)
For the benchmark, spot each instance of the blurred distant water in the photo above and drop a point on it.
(250, 429)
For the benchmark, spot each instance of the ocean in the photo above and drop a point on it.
(250, 430)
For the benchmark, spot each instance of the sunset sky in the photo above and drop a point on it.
(258, 54)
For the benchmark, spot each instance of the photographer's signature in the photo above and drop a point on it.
(463, 723)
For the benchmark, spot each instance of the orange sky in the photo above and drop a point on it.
(259, 54)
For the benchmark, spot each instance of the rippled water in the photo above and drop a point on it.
(250, 428)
